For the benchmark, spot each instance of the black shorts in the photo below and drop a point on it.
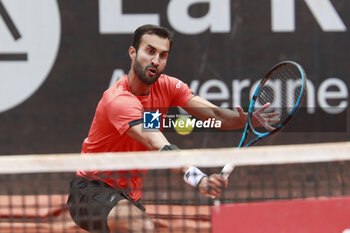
(90, 202)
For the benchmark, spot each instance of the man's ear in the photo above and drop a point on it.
(132, 52)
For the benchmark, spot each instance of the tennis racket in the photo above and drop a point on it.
(276, 98)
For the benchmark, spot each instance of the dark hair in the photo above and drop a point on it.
(151, 29)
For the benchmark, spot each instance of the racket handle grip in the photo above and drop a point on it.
(226, 171)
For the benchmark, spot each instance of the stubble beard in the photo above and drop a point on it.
(142, 73)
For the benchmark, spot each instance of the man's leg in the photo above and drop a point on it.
(126, 217)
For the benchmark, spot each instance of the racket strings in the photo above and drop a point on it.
(281, 90)
(291, 81)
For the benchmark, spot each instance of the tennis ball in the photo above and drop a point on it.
(181, 126)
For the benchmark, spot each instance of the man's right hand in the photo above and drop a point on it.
(212, 185)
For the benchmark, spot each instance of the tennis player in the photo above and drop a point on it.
(110, 201)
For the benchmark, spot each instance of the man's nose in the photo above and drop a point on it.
(155, 60)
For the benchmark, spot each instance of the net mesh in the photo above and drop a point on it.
(35, 200)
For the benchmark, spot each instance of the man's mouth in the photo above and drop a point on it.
(152, 71)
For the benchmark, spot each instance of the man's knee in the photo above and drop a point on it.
(149, 225)
(126, 216)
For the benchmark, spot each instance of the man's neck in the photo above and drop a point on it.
(137, 87)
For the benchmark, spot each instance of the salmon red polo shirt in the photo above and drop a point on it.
(117, 111)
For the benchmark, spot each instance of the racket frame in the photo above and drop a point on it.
(249, 125)
(226, 171)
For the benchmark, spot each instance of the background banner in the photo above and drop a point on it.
(58, 57)
(311, 215)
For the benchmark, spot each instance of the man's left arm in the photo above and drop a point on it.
(204, 110)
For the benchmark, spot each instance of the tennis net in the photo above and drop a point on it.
(34, 188)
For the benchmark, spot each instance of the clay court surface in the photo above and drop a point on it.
(48, 213)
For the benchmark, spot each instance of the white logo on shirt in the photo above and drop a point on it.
(113, 197)
(178, 84)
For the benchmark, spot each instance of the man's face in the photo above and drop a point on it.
(151, 58)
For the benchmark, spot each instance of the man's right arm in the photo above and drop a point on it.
(153, 140)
